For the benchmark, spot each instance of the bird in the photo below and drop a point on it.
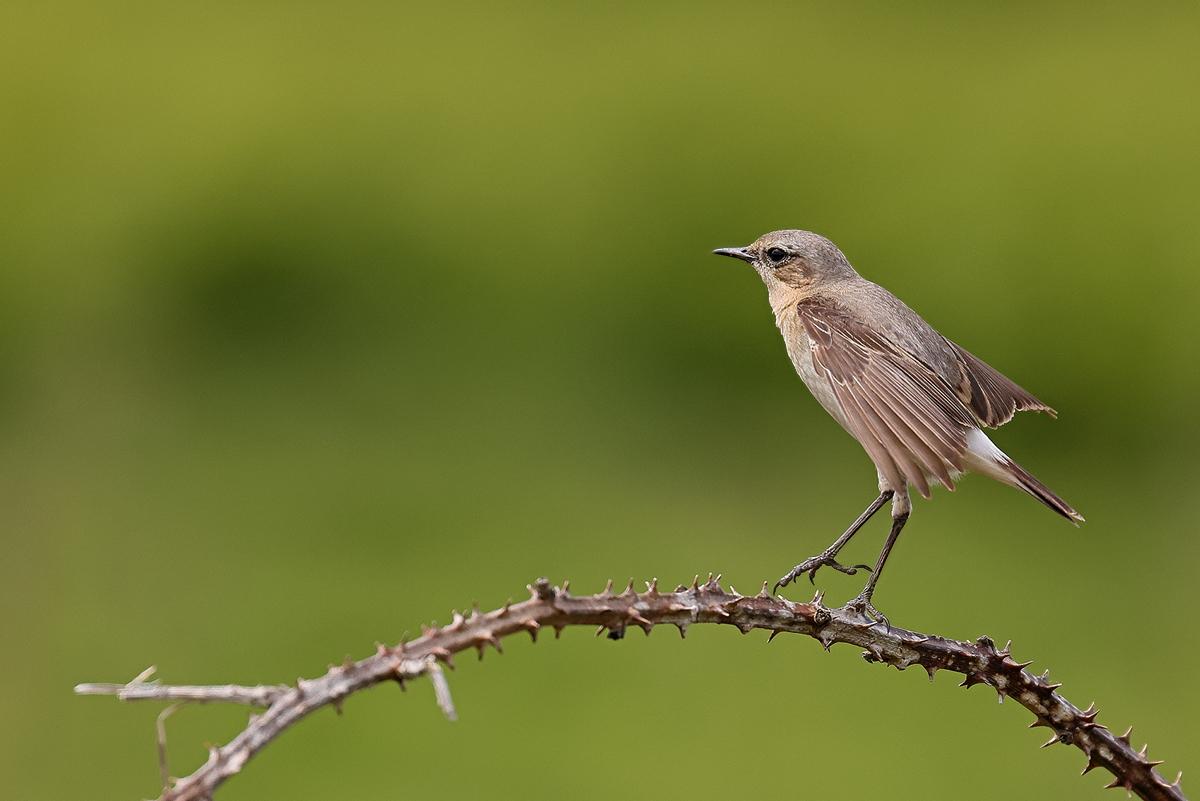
(915, 401)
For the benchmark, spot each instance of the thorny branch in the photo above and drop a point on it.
(981, 662)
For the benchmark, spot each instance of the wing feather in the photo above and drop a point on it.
(899, 439)
(869, 437)
(945, 446)
(914, 435)
(910, 421)
(992, 396)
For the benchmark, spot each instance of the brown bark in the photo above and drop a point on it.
(980, 662)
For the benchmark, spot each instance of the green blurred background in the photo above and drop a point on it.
(317, 322)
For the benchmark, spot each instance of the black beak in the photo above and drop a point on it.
(738, 253)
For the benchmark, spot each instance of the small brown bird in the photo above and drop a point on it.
(914, 400)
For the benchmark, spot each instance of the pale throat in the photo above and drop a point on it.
(783, 299)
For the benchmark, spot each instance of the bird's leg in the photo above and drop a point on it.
(862, 603)
(827, 558)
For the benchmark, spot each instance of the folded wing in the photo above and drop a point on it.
(911, 422)
(992, 397)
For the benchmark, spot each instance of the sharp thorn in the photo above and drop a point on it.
(443, 655)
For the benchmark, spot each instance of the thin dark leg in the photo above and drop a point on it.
(826, 559)
(863, 601)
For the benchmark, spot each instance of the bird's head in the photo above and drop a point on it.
(800, 260)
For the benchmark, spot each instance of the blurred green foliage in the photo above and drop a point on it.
(318, 321)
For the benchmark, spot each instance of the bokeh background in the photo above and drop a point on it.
(318, 321)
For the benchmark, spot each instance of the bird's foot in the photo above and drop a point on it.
(862, 606)
(814, 563)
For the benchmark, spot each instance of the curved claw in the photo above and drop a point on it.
(791, 576)
(812, 565)
(863, 606)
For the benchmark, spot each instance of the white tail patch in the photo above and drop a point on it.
(985, 458)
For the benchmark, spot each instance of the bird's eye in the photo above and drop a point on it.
(777, 254)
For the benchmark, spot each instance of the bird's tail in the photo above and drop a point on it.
(1021, 479)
